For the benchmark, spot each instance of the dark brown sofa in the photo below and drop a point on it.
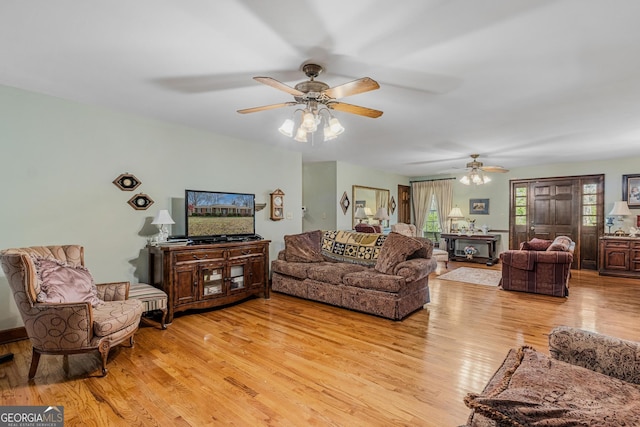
(540, 267)
(369, 272)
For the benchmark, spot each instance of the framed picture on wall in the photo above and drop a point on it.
(631, 190)
(478, 206)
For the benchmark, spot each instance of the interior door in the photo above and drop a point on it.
(404, 204)
(549, 207)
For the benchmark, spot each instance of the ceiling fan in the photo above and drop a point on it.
(314, 93)
(475, 173)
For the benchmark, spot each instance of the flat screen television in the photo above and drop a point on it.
(215, 216)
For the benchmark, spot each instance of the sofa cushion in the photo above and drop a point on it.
(61, 282)
(531, 388)
(536, 244)
(304, 247)
(396, 248)
(331, 272)
(560, 244)
(113, 316)
(293, 269)
(371, 279)
(352, 247)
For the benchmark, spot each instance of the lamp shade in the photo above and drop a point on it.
(381, 213)
(162, 218)
(360, 213)
(455, 213)
(620, 209)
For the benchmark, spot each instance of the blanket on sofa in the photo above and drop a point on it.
(352, 247)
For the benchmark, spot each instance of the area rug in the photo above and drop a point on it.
(478, 276)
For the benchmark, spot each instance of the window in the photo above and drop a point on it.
(521, 206)
(589, 205)
(432, 222)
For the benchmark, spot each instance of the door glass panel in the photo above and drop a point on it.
(237, 277)
(212, 280)
(589, 205)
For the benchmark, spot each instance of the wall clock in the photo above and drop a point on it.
(277, 205)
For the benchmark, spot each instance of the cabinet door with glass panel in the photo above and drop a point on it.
(212, 280)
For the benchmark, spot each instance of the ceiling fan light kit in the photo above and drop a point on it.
(318, 98)
(477, 172)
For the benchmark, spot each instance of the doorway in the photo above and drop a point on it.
(565, 206)
(404, 204)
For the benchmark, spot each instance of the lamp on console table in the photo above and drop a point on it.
(162, 219)
(620, 210)
(455, 213)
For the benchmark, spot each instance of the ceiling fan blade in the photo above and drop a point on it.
(266, 107)
(355, 109)
(364, 84)
(494, 169)
(278, 85)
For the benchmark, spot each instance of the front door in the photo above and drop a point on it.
(549, 207)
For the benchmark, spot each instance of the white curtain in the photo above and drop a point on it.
(423, 192)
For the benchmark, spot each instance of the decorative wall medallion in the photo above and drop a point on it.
(127, 182)
(392, 205)
(140, 201)
(344, 203)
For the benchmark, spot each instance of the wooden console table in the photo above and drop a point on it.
(211, 275)
(491, 240)
(619, 256)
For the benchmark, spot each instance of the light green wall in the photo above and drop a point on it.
(497, 191)
(349, 175)
(319, 193)
(59, 161)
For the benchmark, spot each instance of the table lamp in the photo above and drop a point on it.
(455, 213)
(620, 210)
(162, 219)
(381, 215)
(360, 214)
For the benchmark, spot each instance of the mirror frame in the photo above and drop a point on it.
(354, 189)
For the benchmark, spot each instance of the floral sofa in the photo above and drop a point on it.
(590, 379)
(385, 275)
(540, 267)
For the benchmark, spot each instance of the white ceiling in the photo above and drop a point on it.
(522, 82)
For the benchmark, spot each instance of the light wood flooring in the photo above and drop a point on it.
(291, 362)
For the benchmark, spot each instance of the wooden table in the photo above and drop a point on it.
(456, 252)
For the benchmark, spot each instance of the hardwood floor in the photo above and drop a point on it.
(291, 362)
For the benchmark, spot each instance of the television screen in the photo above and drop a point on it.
(213, 214)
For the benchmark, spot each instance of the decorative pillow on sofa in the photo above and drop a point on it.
(560, 244)
(304, 247)
(396, 249)
(530, 388)
(62, 282)
(536, 244)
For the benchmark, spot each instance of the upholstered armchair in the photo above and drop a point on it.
(404, 229)
(540, 267)
(63, 311)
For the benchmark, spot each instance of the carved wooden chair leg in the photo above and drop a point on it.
(35, 358)
(104, 352)
(65, 364)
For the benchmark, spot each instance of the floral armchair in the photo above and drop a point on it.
(63, 311)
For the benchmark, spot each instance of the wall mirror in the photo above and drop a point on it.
(371, 199)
